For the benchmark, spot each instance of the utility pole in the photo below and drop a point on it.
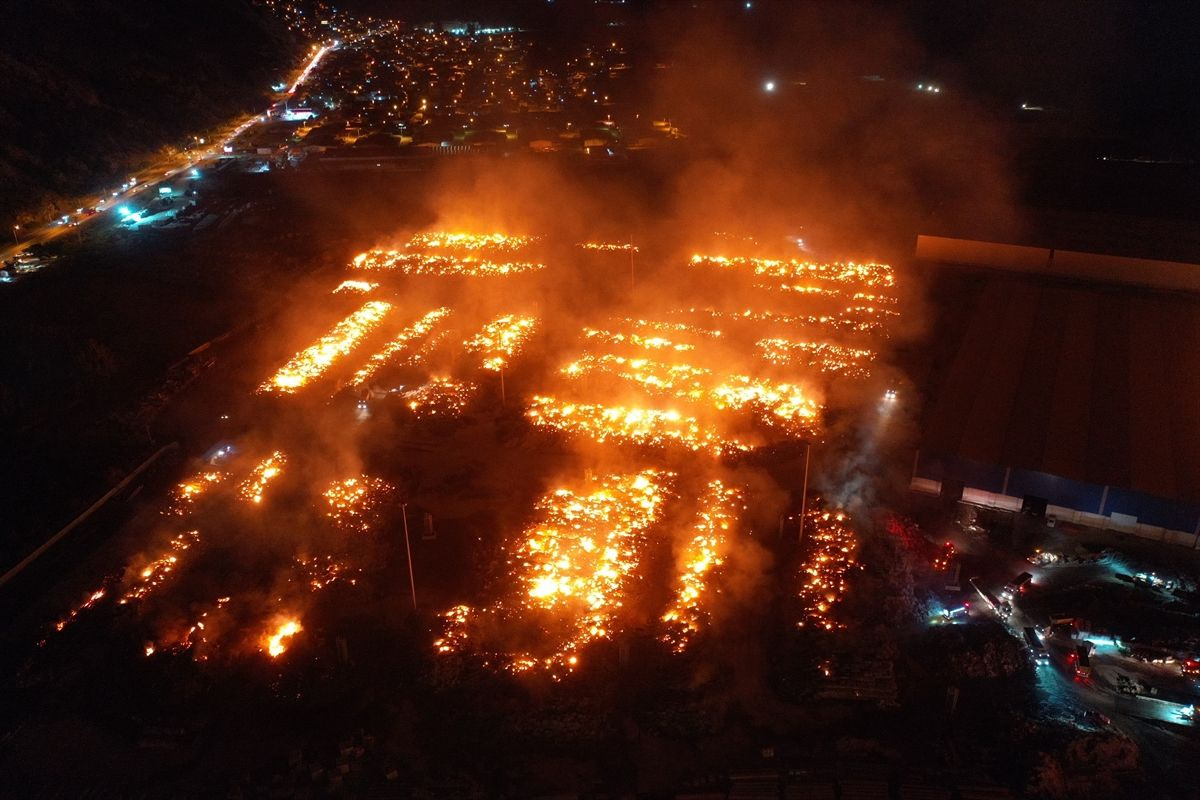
(631, 281)
(804, 491)
(412, 581)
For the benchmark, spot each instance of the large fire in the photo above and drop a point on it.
(313, 361)
(400, 345)
(609, 247)
(845, 273)
(823, 356)
(353, 501)
(435, 264)
(500, 340)
(440, 396)
(459, 240)
(702, 553)
(654, 427)
(695, 384)
(783, 405)
(831, 547)
(573, 566)
(275, 640)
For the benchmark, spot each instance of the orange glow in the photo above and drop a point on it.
(275, 641)
(315, 360)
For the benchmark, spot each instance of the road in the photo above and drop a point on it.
(150, 177)
(1164, 736)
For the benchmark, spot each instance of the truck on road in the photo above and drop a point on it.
(1083, 662)
(1037, 650)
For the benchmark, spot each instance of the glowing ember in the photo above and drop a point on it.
(440, 397)
(442, 239)
(676, 380)
(831, 550)
(700, 556)
(263, 473)
(849, 320)
(501, 340)
(398, 344)
(275, 641)
(645, 426)
(187, 493)
(574, 565)
(636, 340)
(469, 241)
(312, 362)
(782, 405)
(441, 265)
(320, 571)
(156, 572)
(822, 355)
(352, 501)
(355, 287)
(608, 247)
(676, 328)
(91, 600)
(848, 272)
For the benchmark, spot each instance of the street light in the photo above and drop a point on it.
(412, 581)
(804, 490)
(15, 229)
(769, 86)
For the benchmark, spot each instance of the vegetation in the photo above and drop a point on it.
(89, 89)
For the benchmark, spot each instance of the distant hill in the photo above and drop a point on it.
(90, 87)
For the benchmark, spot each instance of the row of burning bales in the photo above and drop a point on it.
(572, 568)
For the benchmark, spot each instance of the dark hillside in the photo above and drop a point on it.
(90, 87)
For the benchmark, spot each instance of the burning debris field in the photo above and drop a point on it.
(480, 456)
(619, 460)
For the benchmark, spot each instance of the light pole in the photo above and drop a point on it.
(503, 400)
(804, 491)
(631, 282)
(15, 229)
(412, 581)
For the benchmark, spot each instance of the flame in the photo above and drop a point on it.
(187, 493)
(832, 549)
(315, 360)
(441, 265)
(574, 566)
(352, 500)
(840, 272)
(609, 247)
(469, 241)
(355, 287)
(263, 473)
(159, 569)
(91, 600)
(655, 427)
(824, 356)
(398, 344)
(702, 554)
(440, 396)
(500, 340)
(275, 642)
